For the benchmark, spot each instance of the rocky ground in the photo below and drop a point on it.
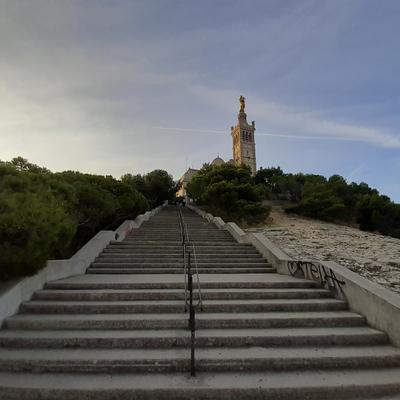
(371, 255)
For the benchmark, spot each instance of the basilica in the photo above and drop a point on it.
(243, 148)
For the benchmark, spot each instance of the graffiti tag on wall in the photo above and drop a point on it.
(317, 272)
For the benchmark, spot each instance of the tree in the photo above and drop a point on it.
(22, 164)
(157, 186)
(160, 187)
(230, 192)
(35, 225)
(266, 175)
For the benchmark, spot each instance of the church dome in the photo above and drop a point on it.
(218, 161)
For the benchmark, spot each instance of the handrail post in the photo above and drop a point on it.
(190, 282)
(185, 275)
(186, 252)
(192, 322)
(183, 237)
(192, 340)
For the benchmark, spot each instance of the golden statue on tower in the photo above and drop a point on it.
(242, 103)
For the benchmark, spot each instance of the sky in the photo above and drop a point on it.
(114, 87)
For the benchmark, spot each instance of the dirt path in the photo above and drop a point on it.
(373, 256)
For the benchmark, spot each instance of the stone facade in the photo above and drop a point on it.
(244, 147)
(185, 180)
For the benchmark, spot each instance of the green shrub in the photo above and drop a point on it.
(320, 201)
(230, 192)
(33, 228)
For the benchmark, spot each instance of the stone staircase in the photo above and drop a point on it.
(120, 330)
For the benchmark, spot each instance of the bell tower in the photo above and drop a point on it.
(244, 147)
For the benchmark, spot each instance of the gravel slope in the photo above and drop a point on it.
(374, 256)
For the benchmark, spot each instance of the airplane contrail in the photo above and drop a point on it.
(283, 135)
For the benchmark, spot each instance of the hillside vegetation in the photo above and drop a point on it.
(47, 215)
(332, 199)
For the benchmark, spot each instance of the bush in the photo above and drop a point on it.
(319, 201)
(378, 213)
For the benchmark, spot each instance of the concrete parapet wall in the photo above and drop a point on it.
(11, 298)
(378, 305)
(269, 251)
(219, 222)
(235, 231)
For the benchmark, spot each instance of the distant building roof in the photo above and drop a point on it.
(218, 161)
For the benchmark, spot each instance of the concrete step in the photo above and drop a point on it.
(145, 249)
(170, 281)
(129, 264)
(310, 385)
(179, 250)
(109, 255)
(163, 338)
(178, 233)
(180, 321)
(207, 360)
(162, 230)
(211, 240)
(120, 255)
(141, 260)
(204, 234)
(223, 245)
(155, 231)
(170, 306)
(228, 245)
(202, 261)
(154, 238)
(179, 264)
(155, 242)
(208, 270)
(167, 236)
(169, 294)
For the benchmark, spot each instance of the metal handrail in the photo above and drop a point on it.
(200, 300)
(185, 230)
(189, 288)
(192, 311)
(183, 236)
(192, 323)
(187, 243)
(180, 218)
